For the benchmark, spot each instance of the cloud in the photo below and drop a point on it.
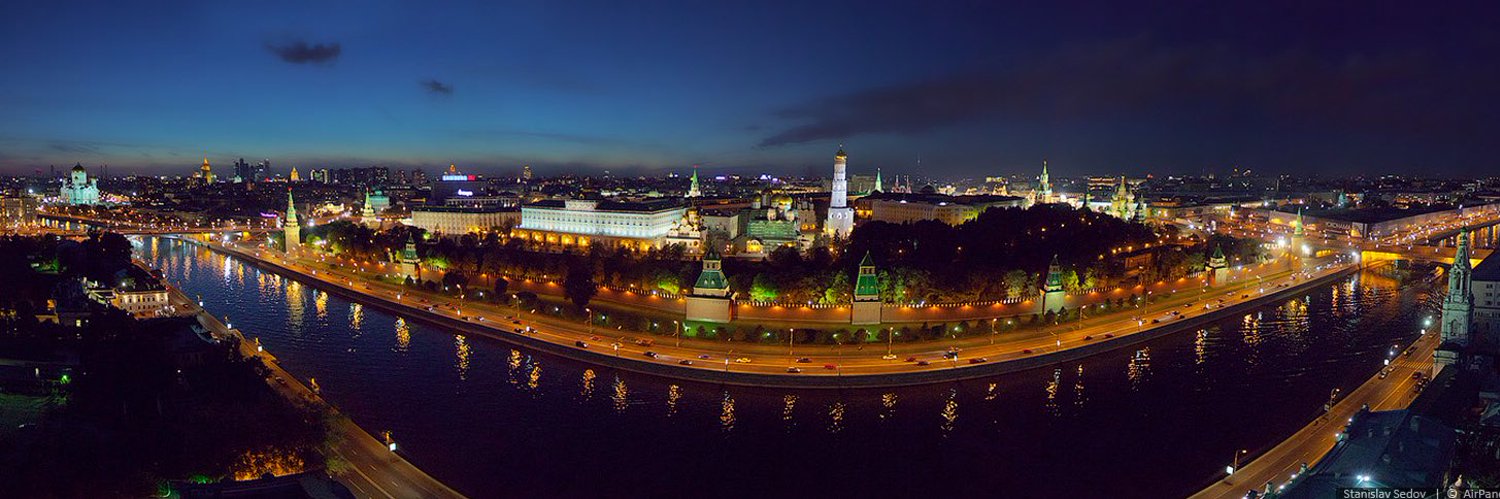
(437, 88)
(301, 52)
(1135, 80)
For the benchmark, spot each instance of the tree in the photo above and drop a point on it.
(578, 286)
(500, 286)
(1017, 283)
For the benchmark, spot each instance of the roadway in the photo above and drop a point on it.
(1279, 464)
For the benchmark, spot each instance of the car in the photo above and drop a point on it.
(1244, 296)
(703, 356)
(594, 338)
(516, 322)
(888, 356)
(978, 360)
(1109, 335)
(950, 355)
(911, 359)
(520, 331)
(804, 360)
(923, 363)
(1384, 372)
(1088, 338)
(580, 344)
(650, 354)
(793, 370)
(1026, 351)
(830, 367)
(481, 318)
(645, 342)
(685, 362)
(1156, 321)
(742, 360)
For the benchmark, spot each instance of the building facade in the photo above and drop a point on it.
(899, 208)
(580, 222)
(458, 220)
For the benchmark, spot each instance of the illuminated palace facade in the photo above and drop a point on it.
(638, 225)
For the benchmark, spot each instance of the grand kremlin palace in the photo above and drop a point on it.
(580, 222)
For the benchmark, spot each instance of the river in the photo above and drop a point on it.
(494, 420)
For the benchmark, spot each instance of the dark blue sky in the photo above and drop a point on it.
(971, 88)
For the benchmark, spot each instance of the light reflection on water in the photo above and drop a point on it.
(1189, 398)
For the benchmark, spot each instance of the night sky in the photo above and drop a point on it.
(970, 88)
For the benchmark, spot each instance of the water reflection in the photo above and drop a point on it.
(356, 315)
(888, 405)
(621, 396)
(726, 412)
(674, 393)
(1078, 397)
(403, 335)
(461, 352)
(836, 417)
(788, 402)
(587, 392)
(949, 414)
(1139, 368)
(1051, 404)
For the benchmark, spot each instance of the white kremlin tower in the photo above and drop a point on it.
(840, 216)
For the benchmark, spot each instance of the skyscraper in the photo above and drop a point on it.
(840, 216)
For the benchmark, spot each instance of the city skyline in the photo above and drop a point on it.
(1094, 88)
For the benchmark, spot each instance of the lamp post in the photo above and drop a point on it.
(590, 313)
(790, 335)
(1234, 465)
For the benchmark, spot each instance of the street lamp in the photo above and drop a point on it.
(1234, 466)
(679, 332)
(790, 334)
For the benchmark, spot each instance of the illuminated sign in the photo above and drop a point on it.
(462, 192)
(459, 178)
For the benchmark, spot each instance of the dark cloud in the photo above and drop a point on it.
(437, 87)
(301, 52)
(1135, 80)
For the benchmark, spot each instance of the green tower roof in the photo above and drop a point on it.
(712, 276)
(867, 284)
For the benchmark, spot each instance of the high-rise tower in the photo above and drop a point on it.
(866, 307)
(1043, 193)
(693, 189)
(290, 227)
(840, 216)
(1053, 292)
(1458, 306)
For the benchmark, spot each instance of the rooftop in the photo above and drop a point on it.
(1374, 215)
(1489, 269)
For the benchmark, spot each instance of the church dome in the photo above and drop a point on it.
(79, 167)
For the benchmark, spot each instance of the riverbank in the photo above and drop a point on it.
(563, 342)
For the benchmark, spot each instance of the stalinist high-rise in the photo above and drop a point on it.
(840, 216)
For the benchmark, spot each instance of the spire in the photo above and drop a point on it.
(840, 154)
(693, 189)
(1054, 276)
(1298, 229)
(291, 207)
(867, 282)
(1461, 255)
(878, 186)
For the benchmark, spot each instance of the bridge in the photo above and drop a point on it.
(135, 228)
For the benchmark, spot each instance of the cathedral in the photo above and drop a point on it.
(78, 188)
